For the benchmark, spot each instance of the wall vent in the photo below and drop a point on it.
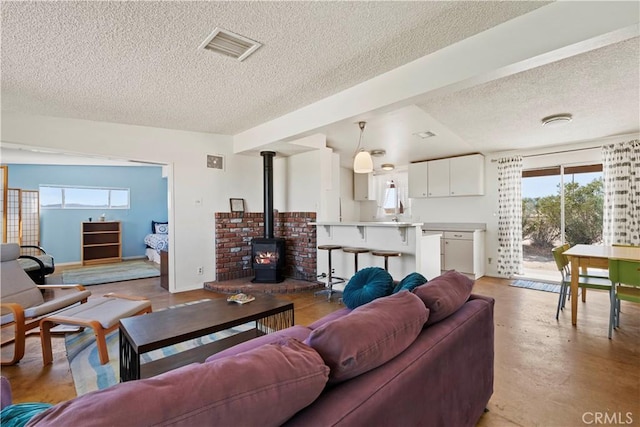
(215, 162)
(230, 44)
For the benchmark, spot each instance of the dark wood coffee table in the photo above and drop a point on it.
(160, 329)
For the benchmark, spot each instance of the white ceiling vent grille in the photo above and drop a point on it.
(230, 44)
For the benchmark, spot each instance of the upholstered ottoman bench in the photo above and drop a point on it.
(100, 314)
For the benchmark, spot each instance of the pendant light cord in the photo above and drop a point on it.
(361, 125)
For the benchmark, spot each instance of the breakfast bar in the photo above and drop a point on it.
(418, 253)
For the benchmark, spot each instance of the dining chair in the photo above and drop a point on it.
(625, 275)
(584, 282)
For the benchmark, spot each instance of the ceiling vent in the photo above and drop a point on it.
(215, 161)
(230, 44)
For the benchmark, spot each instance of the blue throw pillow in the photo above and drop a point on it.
(411, 281)
(366, 285)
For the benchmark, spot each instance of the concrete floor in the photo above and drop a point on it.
(547, 373)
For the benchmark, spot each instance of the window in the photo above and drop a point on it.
(392, 190)
(55, 197)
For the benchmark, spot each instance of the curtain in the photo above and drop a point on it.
(621, 175)
(510, 216)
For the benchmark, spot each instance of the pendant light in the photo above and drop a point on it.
(362, 163)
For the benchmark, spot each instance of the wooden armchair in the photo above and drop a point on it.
(22, 302)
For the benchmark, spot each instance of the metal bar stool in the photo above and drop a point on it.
(386, 255)
(355, 252)
(331, 279)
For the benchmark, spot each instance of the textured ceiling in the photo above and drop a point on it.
(138, 63)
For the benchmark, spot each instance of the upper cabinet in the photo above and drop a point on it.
(438, 178)
(466, 175)
(418, 180)
(363, 187)
(455, 176)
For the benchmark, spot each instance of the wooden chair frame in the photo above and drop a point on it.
(99, 331)
(23, 325)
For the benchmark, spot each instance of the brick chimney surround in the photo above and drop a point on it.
(235, 230)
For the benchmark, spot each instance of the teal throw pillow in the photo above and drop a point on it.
(366, 285)
(410, 282)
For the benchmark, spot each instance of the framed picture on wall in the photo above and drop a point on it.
(237, 205)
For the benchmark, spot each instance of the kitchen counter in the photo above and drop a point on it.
(370, 223)
(419, 253)
(455, 226)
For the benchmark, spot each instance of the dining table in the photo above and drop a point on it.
(594, 256)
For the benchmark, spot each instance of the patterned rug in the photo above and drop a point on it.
(89, 375)
(128, 270)
(538, 286)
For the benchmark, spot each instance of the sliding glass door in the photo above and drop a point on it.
(561, 204)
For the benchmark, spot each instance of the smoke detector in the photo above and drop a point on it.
(230, 44)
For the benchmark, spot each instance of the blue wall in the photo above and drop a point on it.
(60, 228)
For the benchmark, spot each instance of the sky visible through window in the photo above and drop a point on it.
(52, 197)
(542, 186)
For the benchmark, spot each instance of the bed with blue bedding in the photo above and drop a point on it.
(157, 241)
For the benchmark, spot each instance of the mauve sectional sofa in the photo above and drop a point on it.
(421, 358)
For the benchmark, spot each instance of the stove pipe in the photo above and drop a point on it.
(268, 192)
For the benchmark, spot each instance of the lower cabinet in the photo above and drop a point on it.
(463, 251)
(458, 251)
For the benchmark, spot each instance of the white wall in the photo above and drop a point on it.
(195, 192)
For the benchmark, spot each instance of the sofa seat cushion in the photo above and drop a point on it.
(370, 335)
(264, 386)
(366, 285)
(445, 294)
(298, 332)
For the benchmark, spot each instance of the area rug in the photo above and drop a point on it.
(129, 270)
(89, 375)
(538, 286)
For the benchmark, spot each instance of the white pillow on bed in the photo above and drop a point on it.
(161, 227)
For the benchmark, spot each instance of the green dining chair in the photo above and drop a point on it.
(625, 275)
(584, 281)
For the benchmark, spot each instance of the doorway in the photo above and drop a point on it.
(560, 204)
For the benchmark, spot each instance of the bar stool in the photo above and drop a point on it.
(386, 255)
(355, 252)
(331, 280)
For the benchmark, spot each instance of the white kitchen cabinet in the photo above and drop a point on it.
(418, 178)
(438, 178)
(458, 251)
(462, 251)
(363, 188)
(456, 176)
(466, 175)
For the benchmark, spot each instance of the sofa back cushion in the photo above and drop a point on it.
(370, 335)
(445, 294)
(264, 386)
(298, 332)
